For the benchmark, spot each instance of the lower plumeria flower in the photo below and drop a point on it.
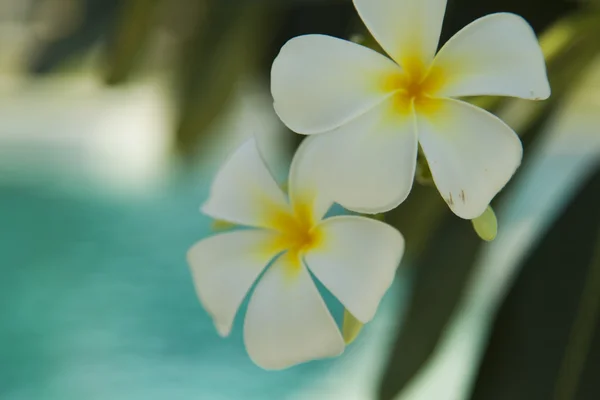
(376, 111)
(287, 321)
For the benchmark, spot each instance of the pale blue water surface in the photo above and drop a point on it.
(97, 302)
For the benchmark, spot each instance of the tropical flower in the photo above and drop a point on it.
(287, 321)
(376, 111)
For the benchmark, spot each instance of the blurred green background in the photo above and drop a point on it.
(115, 114)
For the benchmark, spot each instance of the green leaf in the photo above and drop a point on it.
(423, 173)
(377, 217)
(486, 225)
(133, 30)
(554, 298)
(284, 186)
(219, 225)
(439, 279)
(225, 46)
(581, 341)
(351, 327)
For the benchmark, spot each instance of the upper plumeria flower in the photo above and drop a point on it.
(287, 321)
(376, 110)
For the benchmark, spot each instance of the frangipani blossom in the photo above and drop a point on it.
(376, 111)
(287, 321)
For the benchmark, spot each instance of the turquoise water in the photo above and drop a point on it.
(96, 303)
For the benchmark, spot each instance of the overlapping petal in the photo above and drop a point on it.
(357, 261)
(244, 192)
(408, 30)
(304, 180)
(495, 55)
(319, 82)
(225, 266)
(472, 154)
(367, 165)
(287, 321)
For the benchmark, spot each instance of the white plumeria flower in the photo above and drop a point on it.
(376, 111)
(287, 321)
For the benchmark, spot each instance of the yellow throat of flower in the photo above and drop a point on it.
(298, 231)
(415, 87)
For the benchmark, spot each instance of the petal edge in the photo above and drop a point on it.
(319, 82)
(244, 192)
(498, 55)
(357, 262)
(223, 277)
(408, 30)
(472, 155)
(287, 322)
(367, 165)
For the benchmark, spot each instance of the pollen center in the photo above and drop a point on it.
(415, 87)
(298, 230)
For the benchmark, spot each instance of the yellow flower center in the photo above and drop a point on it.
(415, 87)
(298, 231)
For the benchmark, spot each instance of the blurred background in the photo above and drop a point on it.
(115, 115)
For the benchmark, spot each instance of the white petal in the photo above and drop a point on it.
(287, 322)
(304, 189)
(320, 82)
(367, 165)
(406, 29)
(496, 55)
(224, 267)
(471, 153)
(357, 261)
(244, 192)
